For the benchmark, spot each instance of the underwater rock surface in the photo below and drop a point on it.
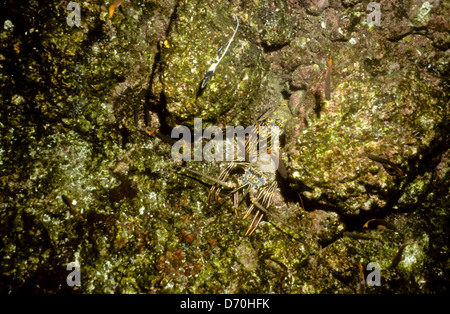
(87, 112)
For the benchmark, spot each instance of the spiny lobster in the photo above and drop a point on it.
(248, 177)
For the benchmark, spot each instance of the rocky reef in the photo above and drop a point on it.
(87, 174)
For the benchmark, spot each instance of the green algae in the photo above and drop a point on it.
(72, 123)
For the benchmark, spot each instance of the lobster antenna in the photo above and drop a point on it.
(212, 69)
(222, 183)
(229, 43)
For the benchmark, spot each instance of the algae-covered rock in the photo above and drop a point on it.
(87, 176)
(199, 37)
(329, 158)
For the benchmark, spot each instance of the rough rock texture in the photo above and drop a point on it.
(87, 112)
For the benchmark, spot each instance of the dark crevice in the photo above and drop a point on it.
(286, 94)
(18, 69)
(319, 102)
(154, 103)
(267, 48)
(413, 31)
(340, 40)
